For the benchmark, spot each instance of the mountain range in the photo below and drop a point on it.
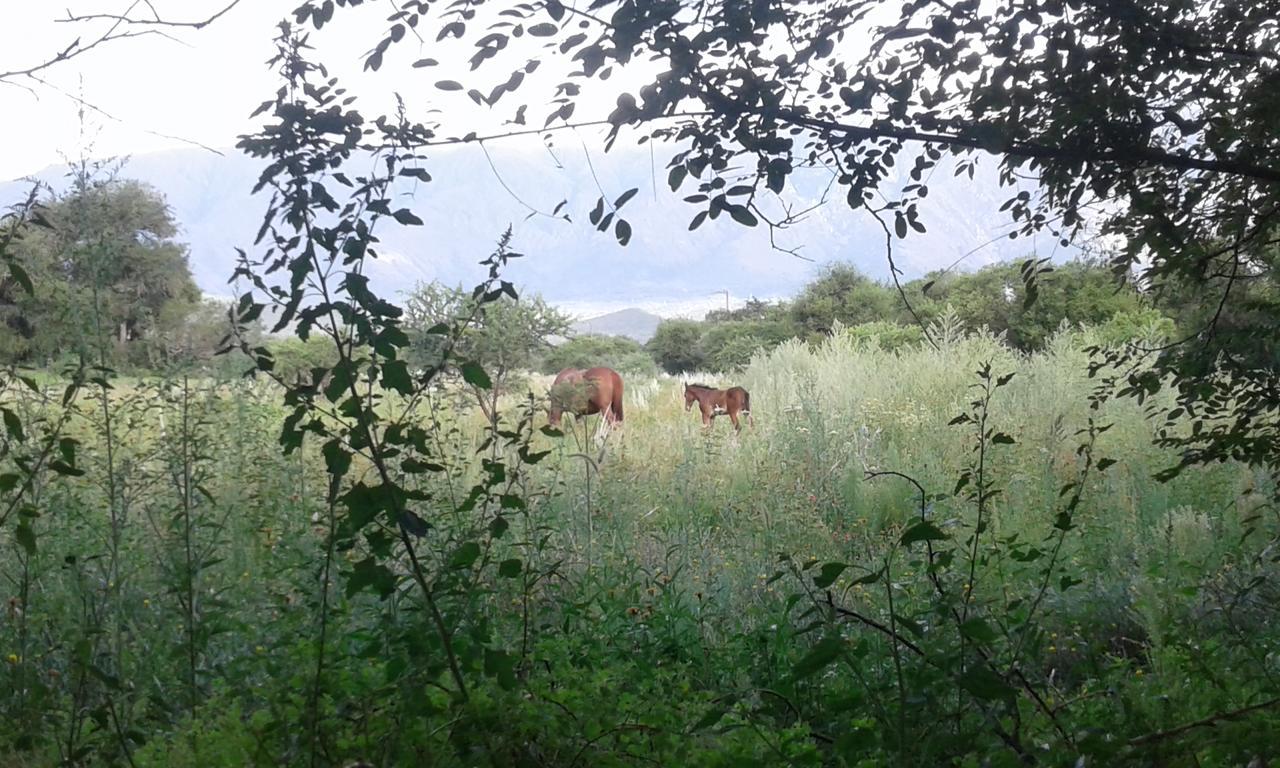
(666, 270)
(631, 322)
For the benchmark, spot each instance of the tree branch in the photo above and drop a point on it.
(1207, 722)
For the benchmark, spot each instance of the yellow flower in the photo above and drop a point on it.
(146, 602)
(260, 649)
(1137, 673)
(13, 658)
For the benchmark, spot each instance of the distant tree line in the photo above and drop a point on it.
(1081, 292)
(111, 285)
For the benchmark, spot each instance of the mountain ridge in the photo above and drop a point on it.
(477, 193)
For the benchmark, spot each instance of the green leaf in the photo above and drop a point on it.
(369, 573)
(337, 459)
(26, 537)
(395, 376)
(474, 375)
(407, 217)
(62, 468)
(449, 85)
(465, 556)
(414, 466)
(500, 665)
(13, 424)
(622, 230)
(978, 630)
(21, 277)
(509, 569)
(828, 575)
(982, 683)
(827, 650)
(922, 531)
(713, 716)
(743, 215)
(625, 196)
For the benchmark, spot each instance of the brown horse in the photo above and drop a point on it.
(595, 390)
(713, 402)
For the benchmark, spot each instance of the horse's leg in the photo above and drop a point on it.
(707, 412)
(733, 416)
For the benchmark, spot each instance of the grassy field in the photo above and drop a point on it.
(667, 596)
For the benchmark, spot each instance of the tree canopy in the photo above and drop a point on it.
(1150, 122)
(107, 279)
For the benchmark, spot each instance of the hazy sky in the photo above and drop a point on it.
(154, 92)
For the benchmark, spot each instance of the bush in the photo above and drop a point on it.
(729, 346)
(617, 352)
(676, 346)
(295, 357)
(884, 334)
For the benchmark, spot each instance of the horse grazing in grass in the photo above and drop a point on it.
(595, 390)
(713, 402)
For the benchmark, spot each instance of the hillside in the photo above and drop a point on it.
(467, 207)
(632, 323)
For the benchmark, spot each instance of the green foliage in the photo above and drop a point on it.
(617, 352)
(675, 346)
(295, 359)
(727, 346)
(1143, 325)
(994, 297)
(951, 569)
(108, 279)
(501, 333)
(884, 334)
(661, 647)
(842, 295)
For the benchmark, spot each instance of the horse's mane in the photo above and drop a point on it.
(698, 386)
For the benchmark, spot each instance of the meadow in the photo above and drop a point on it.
(900, 563)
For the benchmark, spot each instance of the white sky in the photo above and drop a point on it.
(201, 85)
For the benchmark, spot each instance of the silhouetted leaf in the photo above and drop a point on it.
(922, 530)
(819, 656)
(474, 374)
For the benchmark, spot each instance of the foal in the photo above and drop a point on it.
(713, 402)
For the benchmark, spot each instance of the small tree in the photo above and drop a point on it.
(995, 297)
(728, 346)
(617, 352)
(107, 273)
(845, 294)
(676, 346)
(506, 337)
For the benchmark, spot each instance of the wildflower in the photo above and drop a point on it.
(146, 602)
(260, 650)
(13, 658)
(1137, 673)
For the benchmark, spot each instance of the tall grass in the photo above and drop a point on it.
(656, 600)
